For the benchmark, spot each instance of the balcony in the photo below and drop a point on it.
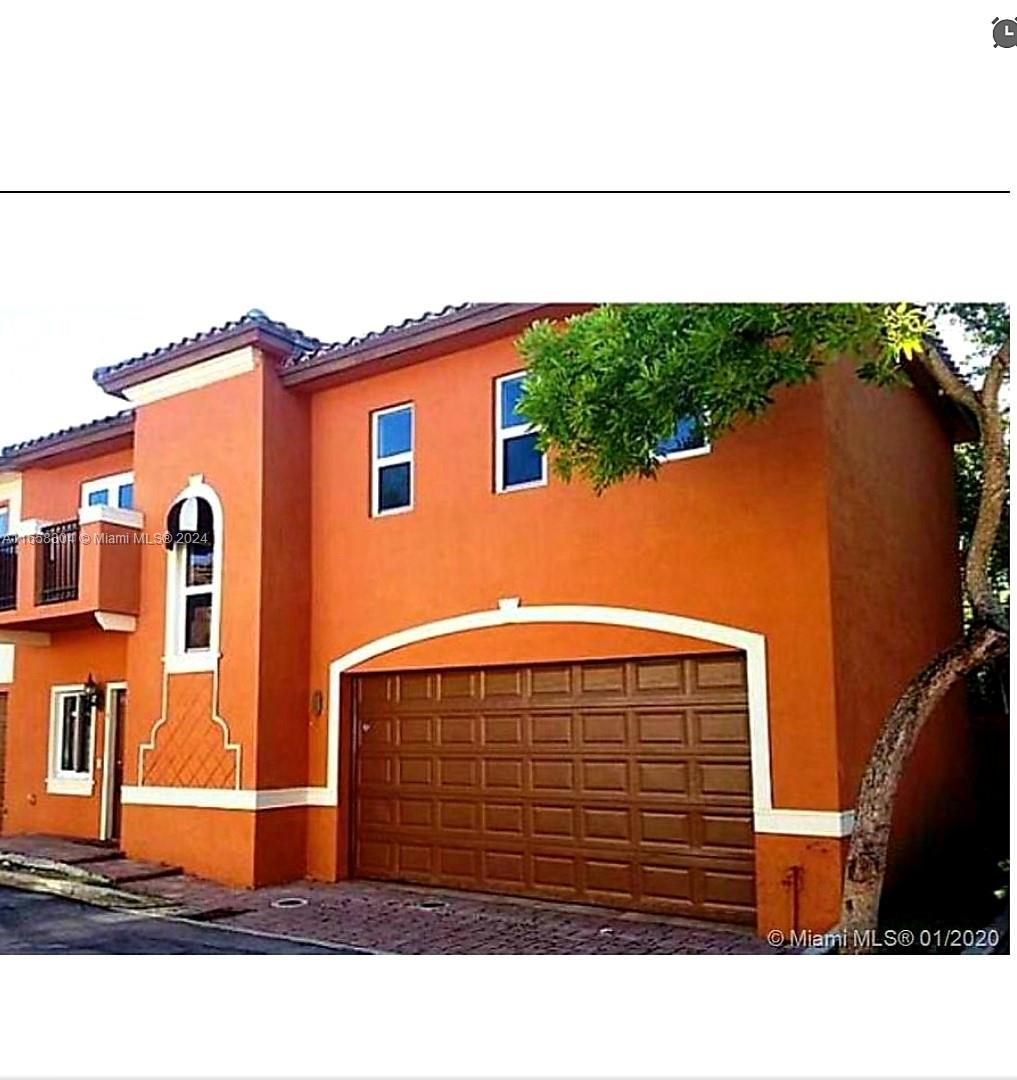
(71, 574)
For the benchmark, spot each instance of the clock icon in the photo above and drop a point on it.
(1004, 33)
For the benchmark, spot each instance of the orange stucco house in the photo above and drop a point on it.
(320, 610)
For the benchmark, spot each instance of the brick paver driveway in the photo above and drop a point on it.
(385, 917)
(404, 919)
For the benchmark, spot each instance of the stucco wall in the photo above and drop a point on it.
(896, 593)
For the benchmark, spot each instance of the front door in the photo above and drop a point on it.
(3, 753)
(113, 766)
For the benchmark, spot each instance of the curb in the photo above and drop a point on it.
(70, 883)
(74, 887)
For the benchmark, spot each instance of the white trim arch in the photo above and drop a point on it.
(509, 612)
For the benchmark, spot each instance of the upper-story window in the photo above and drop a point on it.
(687, 440)
(115, 490)
(194, 579)
(5, 518)
(518, 463)
(392, 460)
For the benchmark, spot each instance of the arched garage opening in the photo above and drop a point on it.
(630, 781)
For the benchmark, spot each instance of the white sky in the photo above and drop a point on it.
(91, 281)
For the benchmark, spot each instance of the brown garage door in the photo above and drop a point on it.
(614, 782)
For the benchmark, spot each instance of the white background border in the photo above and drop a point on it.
(742, 95)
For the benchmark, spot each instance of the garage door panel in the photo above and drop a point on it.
(506, 819)
(457, 685)
(599, 730)
(555, 823)
(502, 683)
(503, 731)
(718, 672)
(719, 731)
(551, 681)
(503, 774)
(415, 771)
(557, 872)
(613, 880)
(602, 679)
(414, 731)
(727, 780)
(551, 729)
(556, 775)
(375, 769)
(612, 824)
(605, 777)
(456, 731)
(727, 831)
(414, 859)
(670, 778)
(413, 813)
(504, 868)
(669, 827)
(415, 686)
(458, 772)
(660, 727)
(626, 783)
(459, 816)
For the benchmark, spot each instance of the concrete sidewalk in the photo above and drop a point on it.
(372, 916)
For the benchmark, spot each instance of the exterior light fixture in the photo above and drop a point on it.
(93, 693)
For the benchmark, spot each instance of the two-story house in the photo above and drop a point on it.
(320, 610)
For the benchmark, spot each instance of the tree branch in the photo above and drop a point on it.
(948, 380)
(992, 499)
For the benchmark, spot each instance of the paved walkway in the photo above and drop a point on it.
(398, 918)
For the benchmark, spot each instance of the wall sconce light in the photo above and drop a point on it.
(93, 694)
(317, 702)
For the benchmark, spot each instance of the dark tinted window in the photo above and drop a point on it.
(394, 486)
(688, 435)
(198, 627)
(523, 463)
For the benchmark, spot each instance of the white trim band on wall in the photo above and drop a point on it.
(767, 818)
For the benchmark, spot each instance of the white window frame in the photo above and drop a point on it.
(504, 434)
(378, 463)
(60, 781)
(111, 484)
(679, 455)
(177, 658)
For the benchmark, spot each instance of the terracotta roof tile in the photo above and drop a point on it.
(116, 421)
(253, 319)
(338, 347)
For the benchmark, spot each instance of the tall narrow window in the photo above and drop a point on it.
(197, 591)
(72, 735)
(194, 579)
(518, 462)
(392, 460)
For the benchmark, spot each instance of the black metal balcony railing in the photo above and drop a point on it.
(59, 580)
(8, 572)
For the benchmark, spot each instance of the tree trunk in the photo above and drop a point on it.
(866, 860)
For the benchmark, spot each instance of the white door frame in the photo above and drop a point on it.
(111, 721)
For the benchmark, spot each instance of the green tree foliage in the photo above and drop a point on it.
(607, 386)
